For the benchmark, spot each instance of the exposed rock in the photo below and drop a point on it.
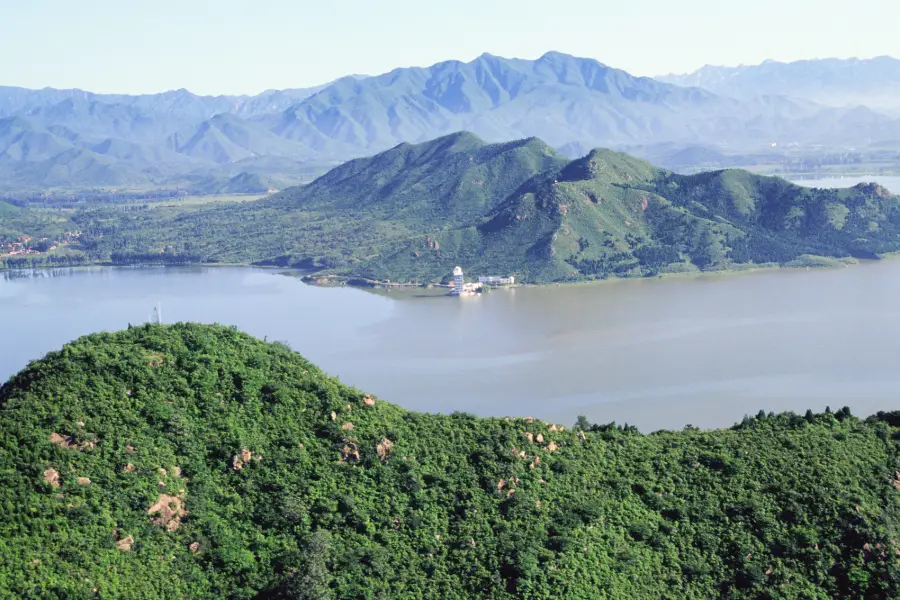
(246, 455)
(510, 493)
(129, 449)
(194, 548)
(236, 463)
(168, 511)
(350, 453)
(537, 504)
(125, 544)
(539, 438)
(347, 426)
(529, 436)
(529, 419)
(384, 449)
(522, 454)
(129, 468)
(552, 446)
(896, 481)
(162, 472)
(501, 484)
(51, 476)
(333, 416)
(67, 442)
(61, 440)
(82, 481)
(369, 401)
(176, 471)
(80, 423)
(553, 428)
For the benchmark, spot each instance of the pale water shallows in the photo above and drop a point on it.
(655, 353)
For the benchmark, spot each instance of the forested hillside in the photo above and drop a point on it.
(195, 461)
(410, 214)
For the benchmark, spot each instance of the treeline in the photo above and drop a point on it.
(155, 258)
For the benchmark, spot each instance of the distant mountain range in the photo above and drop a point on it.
(873, 82)
(73, 138)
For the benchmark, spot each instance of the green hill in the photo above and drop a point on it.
(195, 461)
(415, 211)
(606, 214)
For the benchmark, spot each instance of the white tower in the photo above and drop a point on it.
(458, 281)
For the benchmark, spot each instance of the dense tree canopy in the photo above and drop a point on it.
(195, 461)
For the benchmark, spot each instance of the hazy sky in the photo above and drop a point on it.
(246, 46)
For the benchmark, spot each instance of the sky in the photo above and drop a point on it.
(247, 46)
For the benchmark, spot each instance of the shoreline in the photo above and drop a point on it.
(331, 280)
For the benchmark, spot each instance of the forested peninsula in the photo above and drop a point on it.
(412, 213)
(195, 461)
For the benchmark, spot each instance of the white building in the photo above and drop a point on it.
(458, 281)
(460, 287)
(495, 280)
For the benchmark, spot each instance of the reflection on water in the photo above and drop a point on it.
(655, 353)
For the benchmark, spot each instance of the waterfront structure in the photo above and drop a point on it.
(459, 287)
(496, 280)
(458, 281)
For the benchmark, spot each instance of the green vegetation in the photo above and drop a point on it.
(413, 212)
(195, 461)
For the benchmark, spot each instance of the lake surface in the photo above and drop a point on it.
(654, 353)
(891, 183)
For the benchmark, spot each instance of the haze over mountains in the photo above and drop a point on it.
(873, 82)
(74, 138)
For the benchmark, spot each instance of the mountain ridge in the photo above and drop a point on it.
(872, 82)
(571, 103)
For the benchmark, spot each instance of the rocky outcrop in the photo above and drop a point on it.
(51, 476)
(168, 511)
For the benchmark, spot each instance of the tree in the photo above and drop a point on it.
(709, 250)
(311, 580)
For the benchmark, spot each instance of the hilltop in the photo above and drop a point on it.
(411, 213)
(191, 460)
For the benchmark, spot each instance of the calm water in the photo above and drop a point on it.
(891, 183)
(655, 353)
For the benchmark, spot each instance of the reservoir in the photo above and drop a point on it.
(654, 353)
